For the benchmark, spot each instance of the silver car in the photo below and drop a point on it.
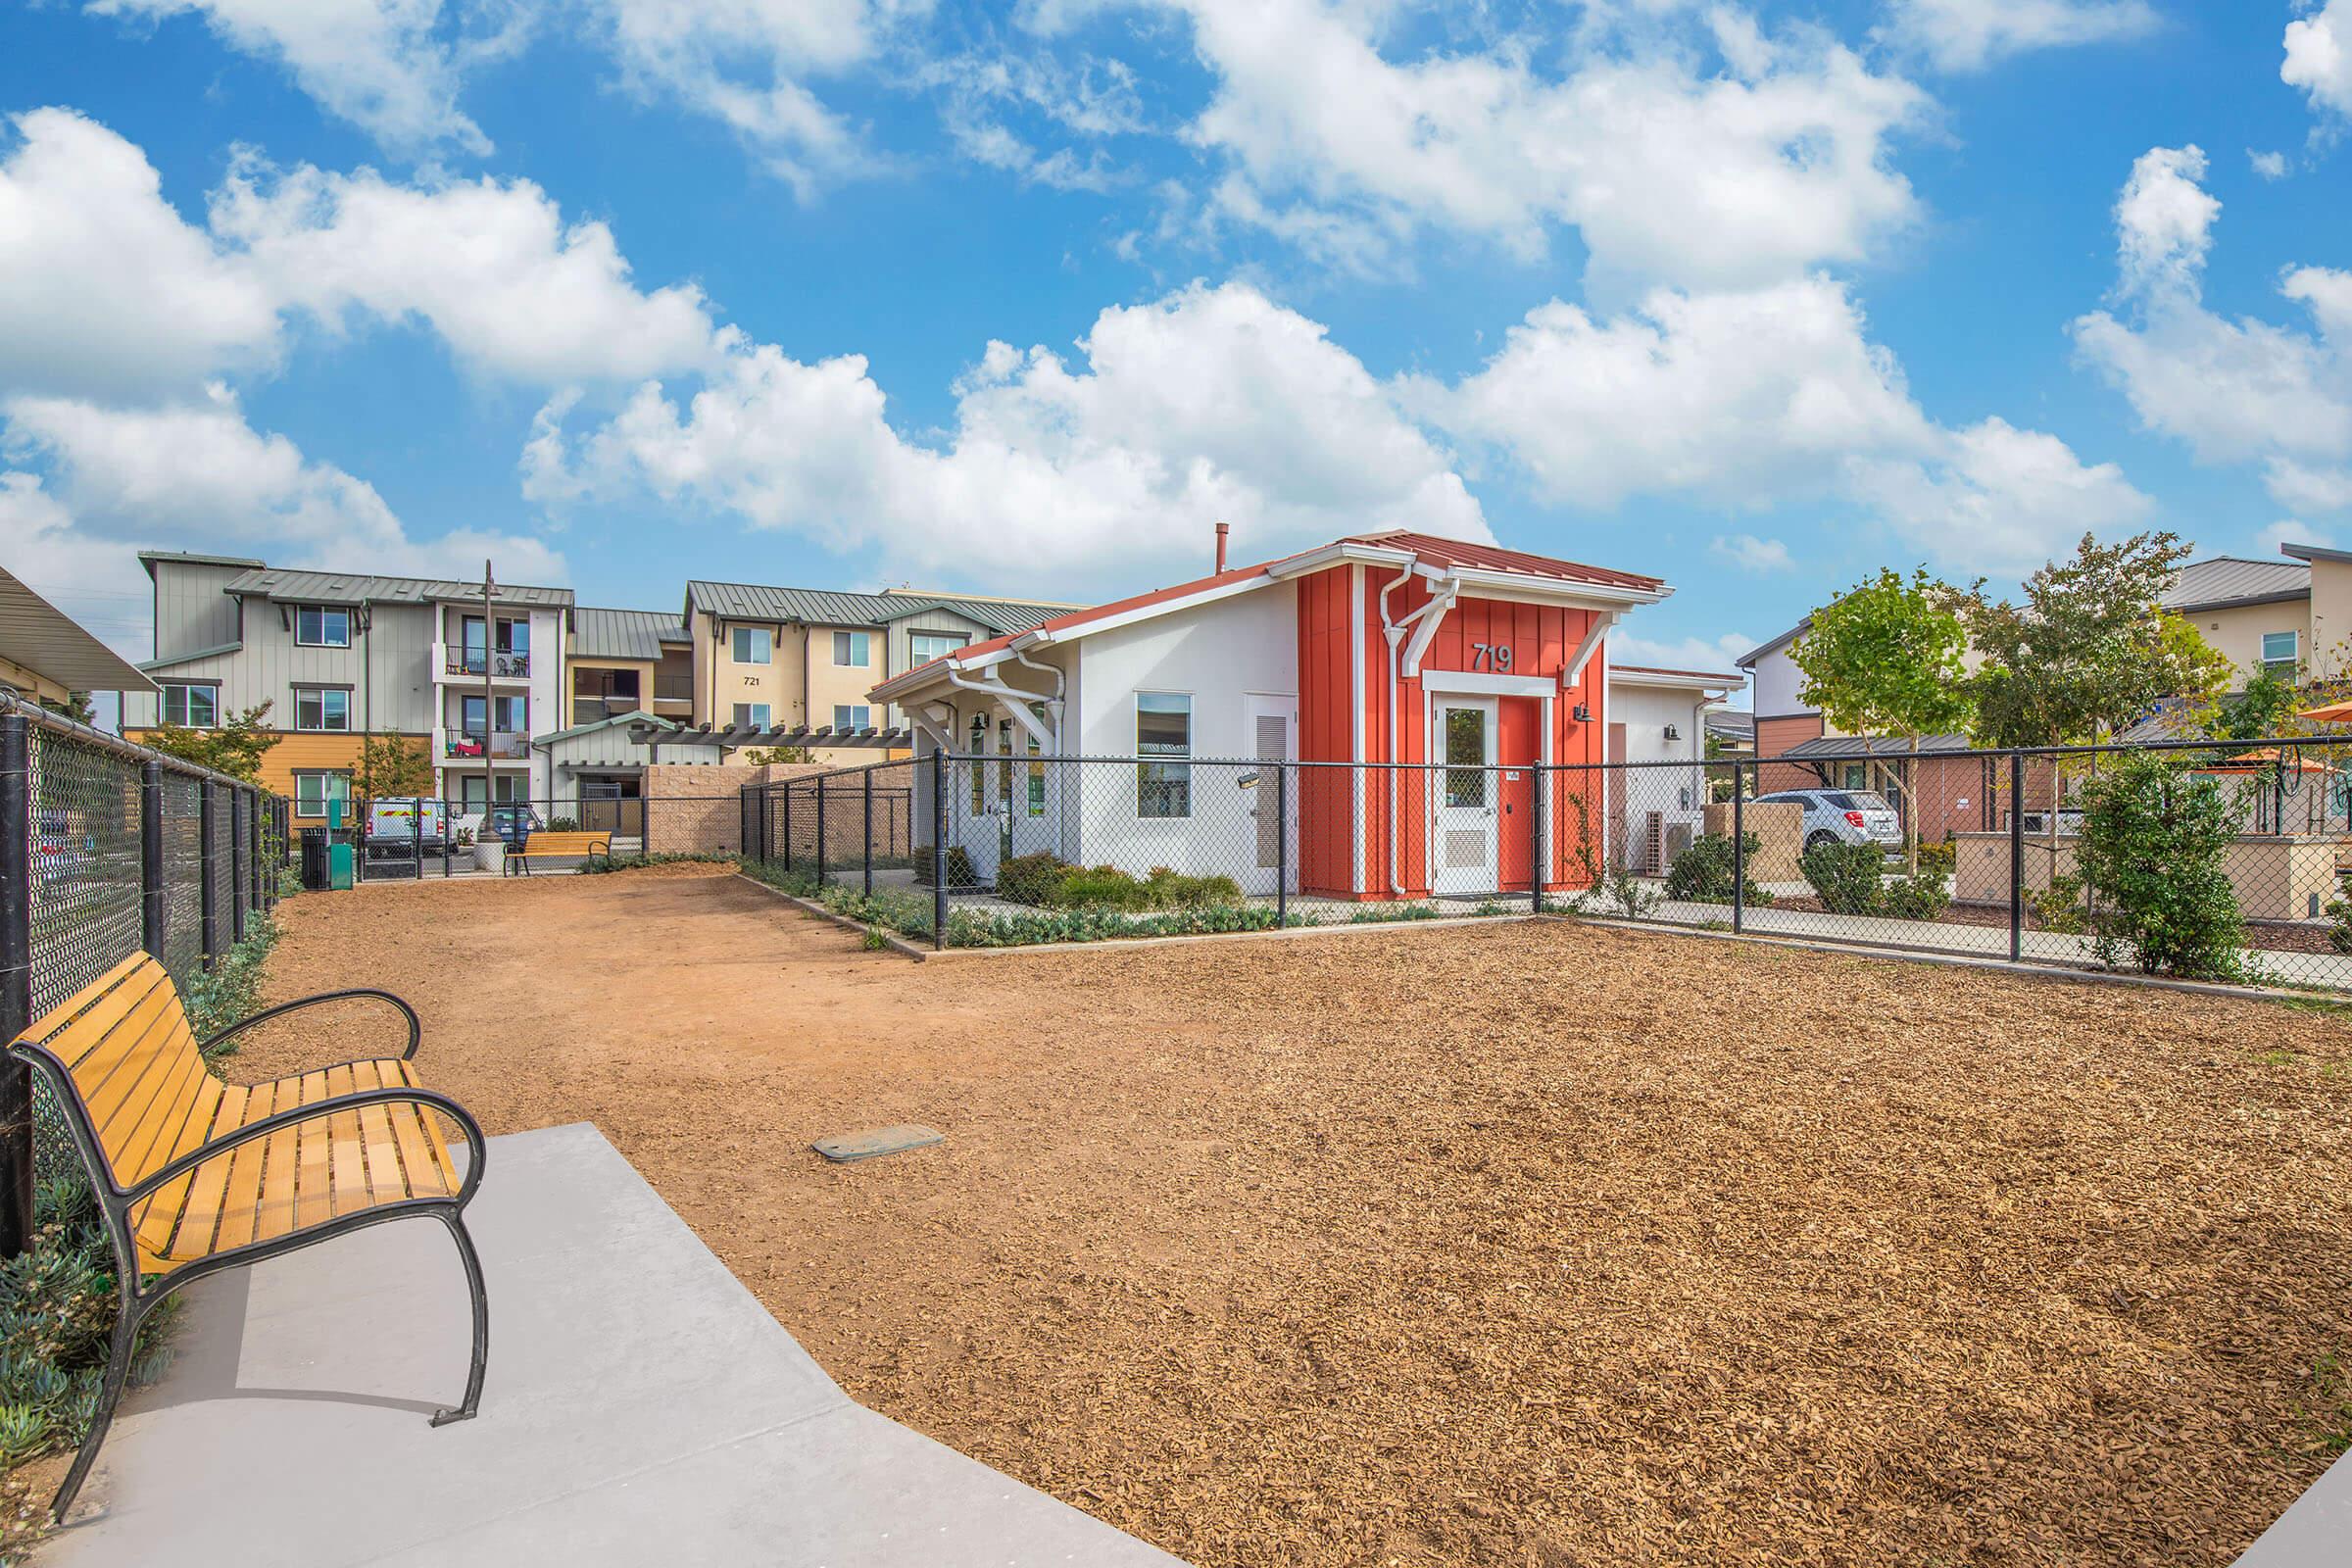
(1843, 816)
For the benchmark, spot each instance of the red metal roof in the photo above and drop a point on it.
(1429, 547)
(1438, 551)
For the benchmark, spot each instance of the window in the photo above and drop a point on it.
(752, 715)
(1466, 757)
(513, 716)
(514, 648)
(979, 769)
(321, 707)
(507, 789)
(753, 645)
(312, 792)
(318, 626)
(1037, 781)
(602, 694)
(925, 646)
(851, 649)
(195, 706)
(851, 715)
(2280, 653)
(1164, 727)
(1856, 776)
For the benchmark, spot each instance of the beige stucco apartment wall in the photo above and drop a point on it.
(2236, 630)
(2329, 653)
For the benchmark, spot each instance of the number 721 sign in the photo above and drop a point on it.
(1496, 656)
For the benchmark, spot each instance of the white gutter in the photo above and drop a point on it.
(1427, 617)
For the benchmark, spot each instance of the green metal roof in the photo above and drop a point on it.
(818, 607)
(359, 588)
(623, 634)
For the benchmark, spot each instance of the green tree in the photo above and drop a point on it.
(762, 756)
(2265, 707)
(2155, 840)
(235, 745)
(1886, 659)
(391, 767)
(76, 706)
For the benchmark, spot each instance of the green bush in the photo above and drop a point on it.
(1702, 874)
(2059, 907)
(2340, 928)
(234, 989)
(1846, 876)
(1939, 860)
(562, 824)
(2154, 837)
(976, 928)
(1051, 883)
(1917, 898)
(1031, 879)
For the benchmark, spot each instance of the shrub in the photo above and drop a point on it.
(2059, 907)
(1030, 878)
(1846, 876)
(1702, 874)
(1939, 860)
(1915, 898)
(1621, 895)
(2340, 928)
(1100, 887)
(974, 928)
(2154, 836)
(562, 824)
(1172, 890)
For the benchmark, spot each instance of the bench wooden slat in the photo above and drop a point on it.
(135, 1077)
(545, 842)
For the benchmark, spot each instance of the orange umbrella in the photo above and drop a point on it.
(2331, 713)
(2261, 758)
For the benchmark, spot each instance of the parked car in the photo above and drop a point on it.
(397, 825)
(514, 823)
(1843, 816)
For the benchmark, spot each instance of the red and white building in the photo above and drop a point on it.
(1386, 648)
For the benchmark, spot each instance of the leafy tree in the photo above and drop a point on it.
(2267, 706)
(1886, 659)
(391, 767)
(764, 756)
(76, 706)
(235, 745)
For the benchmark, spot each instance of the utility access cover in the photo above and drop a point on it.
(876, 1141)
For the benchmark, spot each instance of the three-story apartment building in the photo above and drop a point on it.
(341, 656)
(787, 656)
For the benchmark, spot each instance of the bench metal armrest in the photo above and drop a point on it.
(314, 1112)
(416, 1029)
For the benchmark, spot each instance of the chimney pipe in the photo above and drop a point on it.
(1222, 530)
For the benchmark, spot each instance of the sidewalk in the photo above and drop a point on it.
(641, 1407)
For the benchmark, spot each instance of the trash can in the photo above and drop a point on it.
(314, 858)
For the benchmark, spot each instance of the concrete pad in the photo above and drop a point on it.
(641, 1406)
(876, 1142)
(2315, 1533)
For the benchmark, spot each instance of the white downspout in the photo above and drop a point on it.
(1394, 633)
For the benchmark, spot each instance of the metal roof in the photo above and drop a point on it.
(820, 607)
(1891, 746)
(148, 558)
(2235, 580)
(357, 588)
(44, 639)
(636, 718)
(1731, 721)
(623, 634)
(1438, 551)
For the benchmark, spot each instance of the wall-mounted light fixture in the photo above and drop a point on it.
(1583, 714)
(1672, 734)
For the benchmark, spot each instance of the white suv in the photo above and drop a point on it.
(1843, 816)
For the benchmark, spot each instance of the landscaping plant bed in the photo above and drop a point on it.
(1522, 1244)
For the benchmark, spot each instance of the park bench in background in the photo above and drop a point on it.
(544, 844)
(194, 1175)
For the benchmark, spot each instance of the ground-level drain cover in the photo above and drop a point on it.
(876, 1141)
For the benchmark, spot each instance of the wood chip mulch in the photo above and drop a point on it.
(1519, 1245)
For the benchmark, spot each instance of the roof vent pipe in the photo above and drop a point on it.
(1222, 530)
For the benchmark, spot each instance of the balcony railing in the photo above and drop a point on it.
(506, 745)
(501, 664)
(673, 688)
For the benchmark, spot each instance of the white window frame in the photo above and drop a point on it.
(947, 641)
(2294, 653)
(322, 611)
(322, 727)
(853, 649)
(740, 644)
(1144, 779)
(186, 688)
(754, 715)
(852, 716)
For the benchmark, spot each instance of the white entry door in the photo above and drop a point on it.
(1272, 726)
(1463, 847)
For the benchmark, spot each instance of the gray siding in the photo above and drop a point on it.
(899, 654)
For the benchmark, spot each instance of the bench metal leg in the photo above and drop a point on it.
(456, 1221)
(128, 1312)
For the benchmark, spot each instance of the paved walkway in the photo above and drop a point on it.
(2315, 1533)
(641, 1407)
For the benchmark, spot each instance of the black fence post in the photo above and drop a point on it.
(1282, 845)
(820, 831)
(1538, 871)
(208, 850)
(253, 851)
(2017, 856)
(869, 832)
(1739, 848)
(236, 868)
(788, 825)
(16, 980)
(645, 824)
(151, 858)
(939, 849)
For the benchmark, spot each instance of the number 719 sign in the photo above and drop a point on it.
(1496, 656)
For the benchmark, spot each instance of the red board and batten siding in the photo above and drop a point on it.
(1541, 638)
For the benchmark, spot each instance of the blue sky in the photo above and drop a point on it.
(1021, 299)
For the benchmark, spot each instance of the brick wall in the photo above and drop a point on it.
(697, 808)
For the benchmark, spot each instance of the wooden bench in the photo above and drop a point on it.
(194, 1175)
(552, 845)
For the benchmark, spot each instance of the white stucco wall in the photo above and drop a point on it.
(1776, 679)
(1679, 794)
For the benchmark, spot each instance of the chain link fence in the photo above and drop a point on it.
(2217, 860)
(108, 849)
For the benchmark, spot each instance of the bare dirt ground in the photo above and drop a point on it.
(1531, 1244)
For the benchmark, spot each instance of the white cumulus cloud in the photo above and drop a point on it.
(2319, 57)
(1970, 34)
(1751, 553)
